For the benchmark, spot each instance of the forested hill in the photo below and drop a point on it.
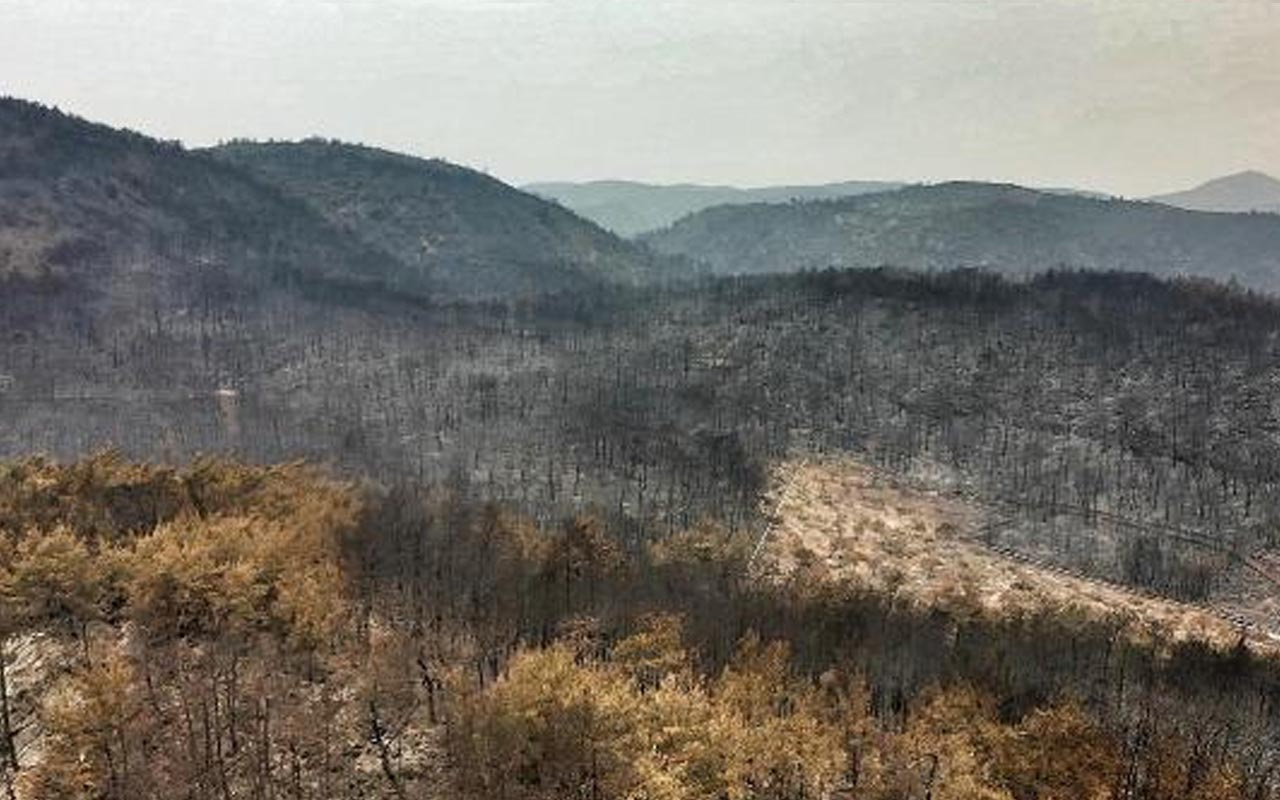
(117, 220)
(999, 227)
(102, 212)
(448, 225)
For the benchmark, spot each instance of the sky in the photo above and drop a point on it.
(1132, 97)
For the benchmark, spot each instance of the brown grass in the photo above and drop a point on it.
(912, 546)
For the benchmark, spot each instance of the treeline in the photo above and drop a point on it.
(225, 631)
(440, 564)
(639, 721)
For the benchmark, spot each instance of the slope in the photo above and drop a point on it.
(100, 212)
(918, 548)
(464, 230)
(1001, 227)
(1241, 192)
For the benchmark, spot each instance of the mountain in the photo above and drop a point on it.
(124, 221)
(449, 226)
(113, 214)
(995, 226)
(1241, 192)
(628, 208)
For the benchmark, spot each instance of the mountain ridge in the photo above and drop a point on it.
(448, 224)
(1003, 227)
(1240, 192)
(111, 213)
(635, 208)
(630, 208)
(116, 217)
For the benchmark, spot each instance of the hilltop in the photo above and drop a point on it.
(122, 221)
(91, 210)
(1242, 192)
(448, 225)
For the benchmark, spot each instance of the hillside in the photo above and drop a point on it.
(667, 406)
(95, 211)
(1239, 193)
(629, 208)
(999, 227)
(925, 550)
(448, 225)
(123, 222)
(218, 630)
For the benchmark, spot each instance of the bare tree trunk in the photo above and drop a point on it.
(6, 720)
(384, 750)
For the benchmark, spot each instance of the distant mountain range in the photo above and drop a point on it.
(116, 216)
(995, 226)
(1241, 192)
(628, 208)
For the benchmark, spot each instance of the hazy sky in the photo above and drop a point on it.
(1130, 96)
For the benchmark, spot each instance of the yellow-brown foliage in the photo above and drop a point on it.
(655, 652)
(640, 724)
(706, 543)
(558, 727)
(107, 497)
(214, 579)
(200, 577)
(52, 577)
(944, 752)
(91, 716)
(1058, 753)
(219, 547)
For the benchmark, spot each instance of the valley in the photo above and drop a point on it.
(332, 472)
